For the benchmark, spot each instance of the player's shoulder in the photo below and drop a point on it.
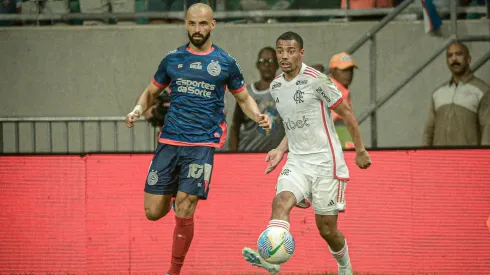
(224, 54)
(174, 53)
(311, 76)
(310, 73)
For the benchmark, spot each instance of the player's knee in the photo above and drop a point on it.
(327, 226)
(154, 213)
(328, 233)
(186, 205)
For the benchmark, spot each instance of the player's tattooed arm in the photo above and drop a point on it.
(250, 108)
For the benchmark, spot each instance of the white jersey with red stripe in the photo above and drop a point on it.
(303, 104)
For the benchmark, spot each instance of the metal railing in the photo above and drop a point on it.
(89, 130)
(474, 67)
(370, 36)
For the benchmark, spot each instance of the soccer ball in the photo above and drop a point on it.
(276, 245)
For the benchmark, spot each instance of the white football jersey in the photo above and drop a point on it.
(304, 104)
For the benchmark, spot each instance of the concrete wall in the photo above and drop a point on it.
(99, 71)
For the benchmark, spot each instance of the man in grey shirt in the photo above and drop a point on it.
(245, 136)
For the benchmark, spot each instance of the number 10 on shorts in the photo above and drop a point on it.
(196, 171)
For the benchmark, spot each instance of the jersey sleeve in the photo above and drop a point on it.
(236, 82)
(327, 92)
(161, 78)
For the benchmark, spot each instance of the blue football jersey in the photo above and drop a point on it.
(197, 83)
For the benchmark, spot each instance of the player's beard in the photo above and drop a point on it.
(199, 43)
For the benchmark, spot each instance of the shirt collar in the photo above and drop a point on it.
(466, 79)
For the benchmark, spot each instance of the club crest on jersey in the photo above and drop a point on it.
(298, 97)
(214, 68)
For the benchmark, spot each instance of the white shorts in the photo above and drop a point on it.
(325, 193)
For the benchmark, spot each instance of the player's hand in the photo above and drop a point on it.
(132, 117)
(265, 122)
(363, 160)
(273, 158)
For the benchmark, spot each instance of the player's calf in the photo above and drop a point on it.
(185, 205)
(282, 205)
(327, 226)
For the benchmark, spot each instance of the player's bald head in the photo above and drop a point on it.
(199, 22)
(199, 10)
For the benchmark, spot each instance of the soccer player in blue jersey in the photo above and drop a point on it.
(197, 76)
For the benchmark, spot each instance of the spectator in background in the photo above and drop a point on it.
(263, 4)
(106, 6)
(245, 136)
(46, 7)
(472, 3)
(9, 7)
(367, 4)
(341, 73)
(311, 5)
(459, 112)
(171, 6)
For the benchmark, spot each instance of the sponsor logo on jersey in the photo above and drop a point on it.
(296, 124)
(302, 82)
(200, 88)
(323, 94)
(196, 65)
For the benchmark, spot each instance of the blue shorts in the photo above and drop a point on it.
(180, 168)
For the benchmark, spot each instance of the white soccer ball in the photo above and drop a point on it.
(276, 245)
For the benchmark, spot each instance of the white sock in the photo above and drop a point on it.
(342, 256)
(279, 223)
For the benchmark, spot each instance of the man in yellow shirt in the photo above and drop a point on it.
(341, 73)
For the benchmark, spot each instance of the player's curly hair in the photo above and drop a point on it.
(158, 113)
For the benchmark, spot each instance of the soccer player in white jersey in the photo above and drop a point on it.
(315, 170)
